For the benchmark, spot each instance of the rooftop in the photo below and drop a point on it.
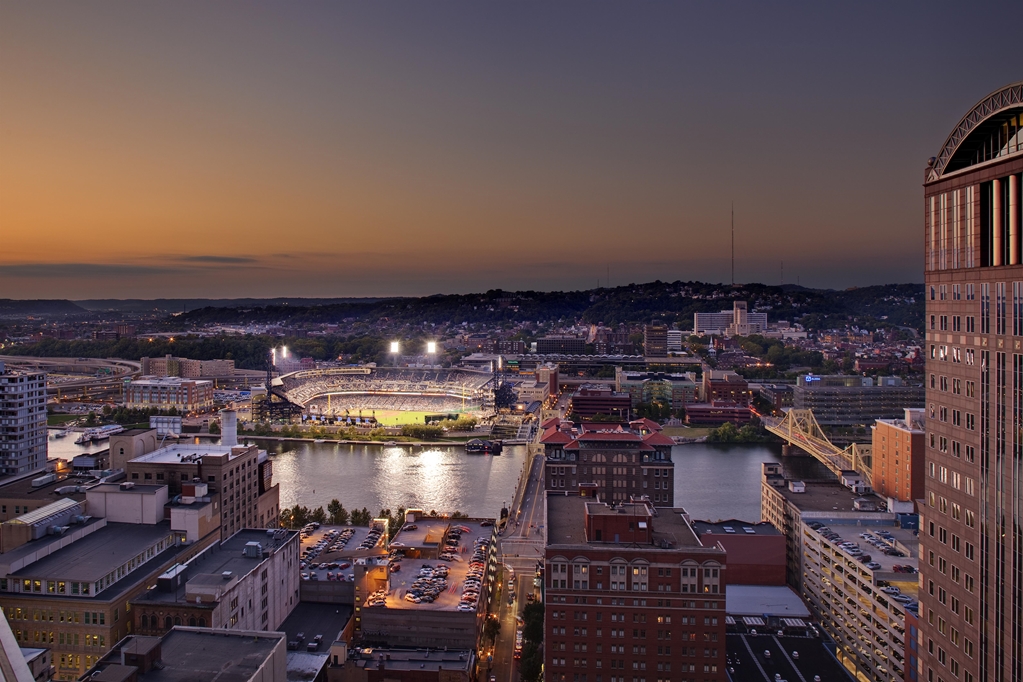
(734, 527)
(22, 487)
(412, 659)
(58, 506)
(335, 546)
(190, 654)
(208, 567)
(746, 658)
(147, 488)
(187, 452)
(167, 381)
(760, 600)
(92, 557)
(566, 522)
(868, 541)
(428, 532)
(313, 619)
(829, 497)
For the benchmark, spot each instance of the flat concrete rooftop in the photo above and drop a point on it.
(147, 488)
(21, 487)
(313, 619)
(191, 654)
(448, 600)
(734, 527)
(95, 555)
(566, 522)
(429, 532)
(209, 566)
(827, 497)
(412, 659)
(175, 454)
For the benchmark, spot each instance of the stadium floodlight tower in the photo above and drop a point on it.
(431, 351)
(395, 349)
(504, 396)
(276, 405)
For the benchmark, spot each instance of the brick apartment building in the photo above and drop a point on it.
(898, 452)
(630, 594)
(618, 460)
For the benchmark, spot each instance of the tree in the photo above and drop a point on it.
(337, 514)
(299, 516)
(422, 431)
(90, 419)
(532, 622)
(214, 427)
(361, 517)
(319, 516)
(491, 627)
(394, 521)
(531, 665)
(532, 636)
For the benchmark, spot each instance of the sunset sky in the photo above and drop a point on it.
(228, 149)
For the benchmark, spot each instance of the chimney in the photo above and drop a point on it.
(228, 428)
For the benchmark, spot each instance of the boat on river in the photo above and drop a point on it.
(478, 446)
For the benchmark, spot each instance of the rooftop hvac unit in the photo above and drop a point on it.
(127, 485)
(226, 575)
(253, 550)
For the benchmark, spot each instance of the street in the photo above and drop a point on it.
(519, 549)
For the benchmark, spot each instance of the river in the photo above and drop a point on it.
(711, 481)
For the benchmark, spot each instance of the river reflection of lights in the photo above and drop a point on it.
(379, 476)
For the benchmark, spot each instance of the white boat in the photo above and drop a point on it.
(99, 433)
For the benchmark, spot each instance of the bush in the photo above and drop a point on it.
(422, 431)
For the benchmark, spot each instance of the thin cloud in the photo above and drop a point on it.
(84, 270)
(218, 260)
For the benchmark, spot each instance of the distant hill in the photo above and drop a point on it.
(675, 302)
(9, 307)
(177, 305)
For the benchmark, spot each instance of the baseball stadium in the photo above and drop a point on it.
(388, 395)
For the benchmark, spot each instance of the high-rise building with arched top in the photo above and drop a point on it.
(971, 614)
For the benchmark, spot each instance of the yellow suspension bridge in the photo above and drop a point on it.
(800, 428)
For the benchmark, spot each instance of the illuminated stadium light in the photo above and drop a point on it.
(284, 352)
(431, 347)
(395, 346)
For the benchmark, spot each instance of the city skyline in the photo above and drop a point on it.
(360, 151)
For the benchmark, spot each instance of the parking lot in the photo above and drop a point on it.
(456, 581)
(329, 552)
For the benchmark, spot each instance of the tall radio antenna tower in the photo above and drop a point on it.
(733, 243)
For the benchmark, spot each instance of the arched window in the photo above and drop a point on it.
(145, 621)
(177, 620)
(191, 621)
(202, 622)
(168, 623)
